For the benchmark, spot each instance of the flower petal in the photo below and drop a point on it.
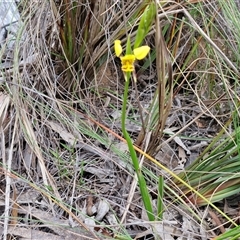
(141, 52)
(128, 63)
(117, 47)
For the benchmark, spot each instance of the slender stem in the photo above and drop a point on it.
(125, 133)
(142, 183)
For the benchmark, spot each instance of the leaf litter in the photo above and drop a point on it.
(61, 162)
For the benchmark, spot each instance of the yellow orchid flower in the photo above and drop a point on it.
(128, 60)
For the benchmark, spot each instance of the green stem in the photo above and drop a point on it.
(142, 183)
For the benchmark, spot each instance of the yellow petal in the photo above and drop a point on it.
(129, 57)
(141, 52)
(117, 47)
(127, 63)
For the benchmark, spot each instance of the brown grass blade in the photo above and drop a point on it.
(165, 85)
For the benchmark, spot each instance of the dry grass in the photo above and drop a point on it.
(65, 170)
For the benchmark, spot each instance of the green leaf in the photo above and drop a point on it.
(145, 24)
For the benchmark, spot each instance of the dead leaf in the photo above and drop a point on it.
(200, 124)
(177, 140)
(89, 205)
(59, 226)
(112, 219)
(103, 209)
(90, 223)
(64, 134)
(182, 156)
(99, 172)
(25, 233)
(28, 156)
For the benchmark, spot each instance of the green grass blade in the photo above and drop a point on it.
(160, 198)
